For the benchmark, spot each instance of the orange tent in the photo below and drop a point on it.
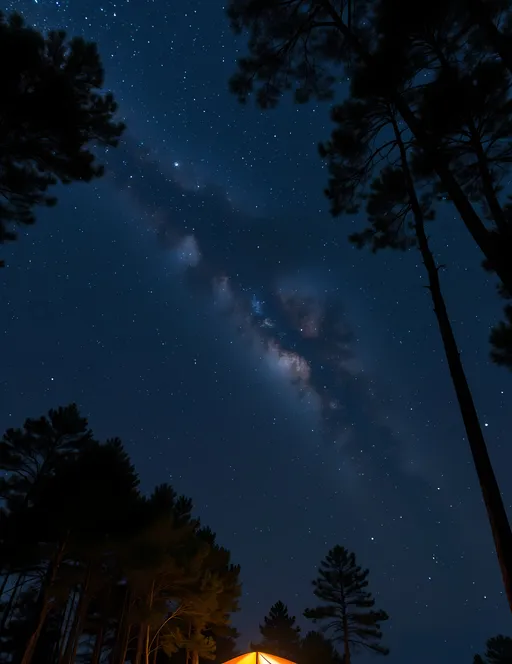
(258, 658)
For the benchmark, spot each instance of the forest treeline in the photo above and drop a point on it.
(91, 566)
(93, 570)
(282, 636)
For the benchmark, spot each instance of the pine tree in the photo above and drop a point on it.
(77, 533)
(281, 635)
(397, 216)
(52, 111)
(206, 614)
(95, 522)
(218, 621)
(311, 47)
(30, 455)
(466, 109)
(347, 607)
(226, 644)
(468, 113)
(190, 630)
(29, 459)
(481, 26)
(162, 567)
(315, 648)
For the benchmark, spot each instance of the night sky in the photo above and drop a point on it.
(200, 303)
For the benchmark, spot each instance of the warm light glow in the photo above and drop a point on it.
(258, 658)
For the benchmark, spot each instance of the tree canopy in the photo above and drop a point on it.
(316, 647)
(54, 115)
(91, 565)
(280, 633)
(444, 68)
(94, 570)
(346, 611)
(498, 651)
(427, 120)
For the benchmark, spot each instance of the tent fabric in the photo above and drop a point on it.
(258, 658)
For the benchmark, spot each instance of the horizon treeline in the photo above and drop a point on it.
(346, 616)
(93, 570)
(282, 636)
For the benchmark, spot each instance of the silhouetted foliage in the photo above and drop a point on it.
(501, 338)
(498, 651)
(93, 569)
(315, 648)
(281, 635)
(468, 113)
(225, 643)
(53, 112)
(436, 67)
(397, 215)
(427, 119)
(346, 610)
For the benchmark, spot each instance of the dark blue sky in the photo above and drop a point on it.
(200, 303)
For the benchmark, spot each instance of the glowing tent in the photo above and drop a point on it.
(258, 658)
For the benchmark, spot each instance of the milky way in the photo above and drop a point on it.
(298, 325)
(259, 274)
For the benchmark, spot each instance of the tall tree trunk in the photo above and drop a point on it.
(34, 637)
(188, 654)
(147, 643)
(346, 641)
(55, 654)
(493, 501)
(156, 636)
(8, 608)
(80, 627)
(69, 613)
(45, 606)
(98, 645)
(488, 187)
(344, 621)
(146, 646)
(102, 625)
(80, 612)
(125, 643)
(4, 584)
(120, 644)
(156, 647)
(140, 643)
(501, 264)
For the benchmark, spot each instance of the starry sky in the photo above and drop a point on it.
(200, 303)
